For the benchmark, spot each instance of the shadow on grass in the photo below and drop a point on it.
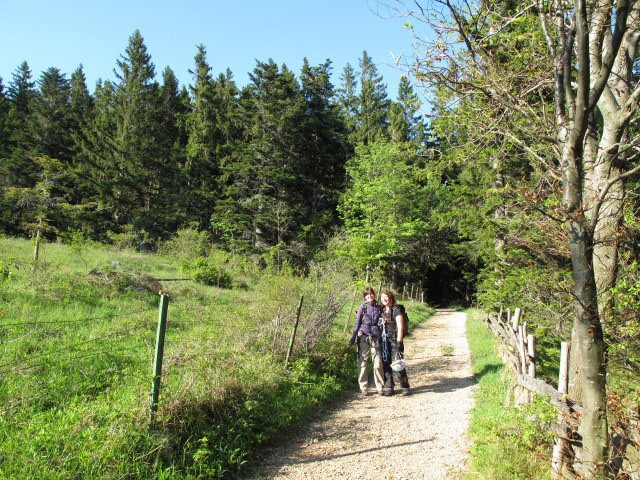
(488, 369)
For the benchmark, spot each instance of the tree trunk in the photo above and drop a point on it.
(591, 458)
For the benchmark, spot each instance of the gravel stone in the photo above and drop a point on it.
(420, 436)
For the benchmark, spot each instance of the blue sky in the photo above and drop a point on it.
(95, 33)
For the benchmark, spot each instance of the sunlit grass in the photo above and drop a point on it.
(77, 334)
(505, 443)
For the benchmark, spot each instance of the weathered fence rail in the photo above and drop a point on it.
(518, 353)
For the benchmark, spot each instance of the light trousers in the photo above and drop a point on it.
(366, 345)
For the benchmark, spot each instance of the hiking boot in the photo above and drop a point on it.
(364, 393)
(405, 392)
(387, 393)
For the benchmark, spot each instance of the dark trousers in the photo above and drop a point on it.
(396, 350)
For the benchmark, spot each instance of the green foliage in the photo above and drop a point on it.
(383, 206)
(507, 443)
(205, 271)
(187, 244)
(6, 266)
(79, 344)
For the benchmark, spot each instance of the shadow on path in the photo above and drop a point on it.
(321, 458)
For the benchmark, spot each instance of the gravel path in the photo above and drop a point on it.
(422, 436)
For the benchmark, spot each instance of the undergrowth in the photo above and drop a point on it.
(77, 332)
(507, 443)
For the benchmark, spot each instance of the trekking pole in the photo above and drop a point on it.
(293, 334)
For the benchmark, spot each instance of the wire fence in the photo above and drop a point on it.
(19, 365)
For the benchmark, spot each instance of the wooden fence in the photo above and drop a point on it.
(518, 353)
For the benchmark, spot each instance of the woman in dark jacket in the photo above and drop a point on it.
(367, 333)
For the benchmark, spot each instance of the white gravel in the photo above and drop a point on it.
(422, 436)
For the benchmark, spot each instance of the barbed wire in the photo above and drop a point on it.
(69, 347)
(71, 359)
(89, 319)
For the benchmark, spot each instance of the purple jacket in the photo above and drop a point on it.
(367, 320)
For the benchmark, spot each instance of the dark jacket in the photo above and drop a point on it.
(367, 318)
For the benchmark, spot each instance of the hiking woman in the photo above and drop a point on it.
(367, 333)
(393, 332)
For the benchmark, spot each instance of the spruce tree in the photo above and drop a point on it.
(373, 104)
(404, 123)
(323, 152)
(50, 123)
(201, 169)
(264, 203)
(4, 111)
(120, 144)
(21, 90)
(347, 101)
(19, 169)
(80, 98)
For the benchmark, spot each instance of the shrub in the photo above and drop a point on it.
(187, 244)
(204, 270)
(5, 268)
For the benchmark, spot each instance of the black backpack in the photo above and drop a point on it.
(403, 311)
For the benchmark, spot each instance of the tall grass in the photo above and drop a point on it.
(76, 345)
(507, 443)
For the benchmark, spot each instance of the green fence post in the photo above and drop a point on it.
(157, 366)
(293, 334)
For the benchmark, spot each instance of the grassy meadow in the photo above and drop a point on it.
(77, 335)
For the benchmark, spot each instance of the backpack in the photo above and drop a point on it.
(403, 311)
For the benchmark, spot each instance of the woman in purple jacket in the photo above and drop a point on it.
(367, 333)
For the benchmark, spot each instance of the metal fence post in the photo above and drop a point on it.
(157, 366)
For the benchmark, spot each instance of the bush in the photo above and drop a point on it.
(187, 244)
(5, 268)
(203, 270)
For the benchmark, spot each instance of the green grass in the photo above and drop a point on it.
(77, 332)
(507, 443)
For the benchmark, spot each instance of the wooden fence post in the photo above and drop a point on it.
(561, 445)
(521, 351)
(531, 350)
(516, 319)
(293, 334)
(157, 366)
(346, 322)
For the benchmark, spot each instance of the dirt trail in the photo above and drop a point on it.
(422, 436)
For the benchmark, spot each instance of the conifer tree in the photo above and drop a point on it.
(4, 111)
(201, 170)
(373, 104)
(21, 89)
(174, 106)
(50, 123)
(19, 169)
(404, 124)
(120, 145)
(80, 99)
(323, 141)
(348, 102)
(263, 203)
